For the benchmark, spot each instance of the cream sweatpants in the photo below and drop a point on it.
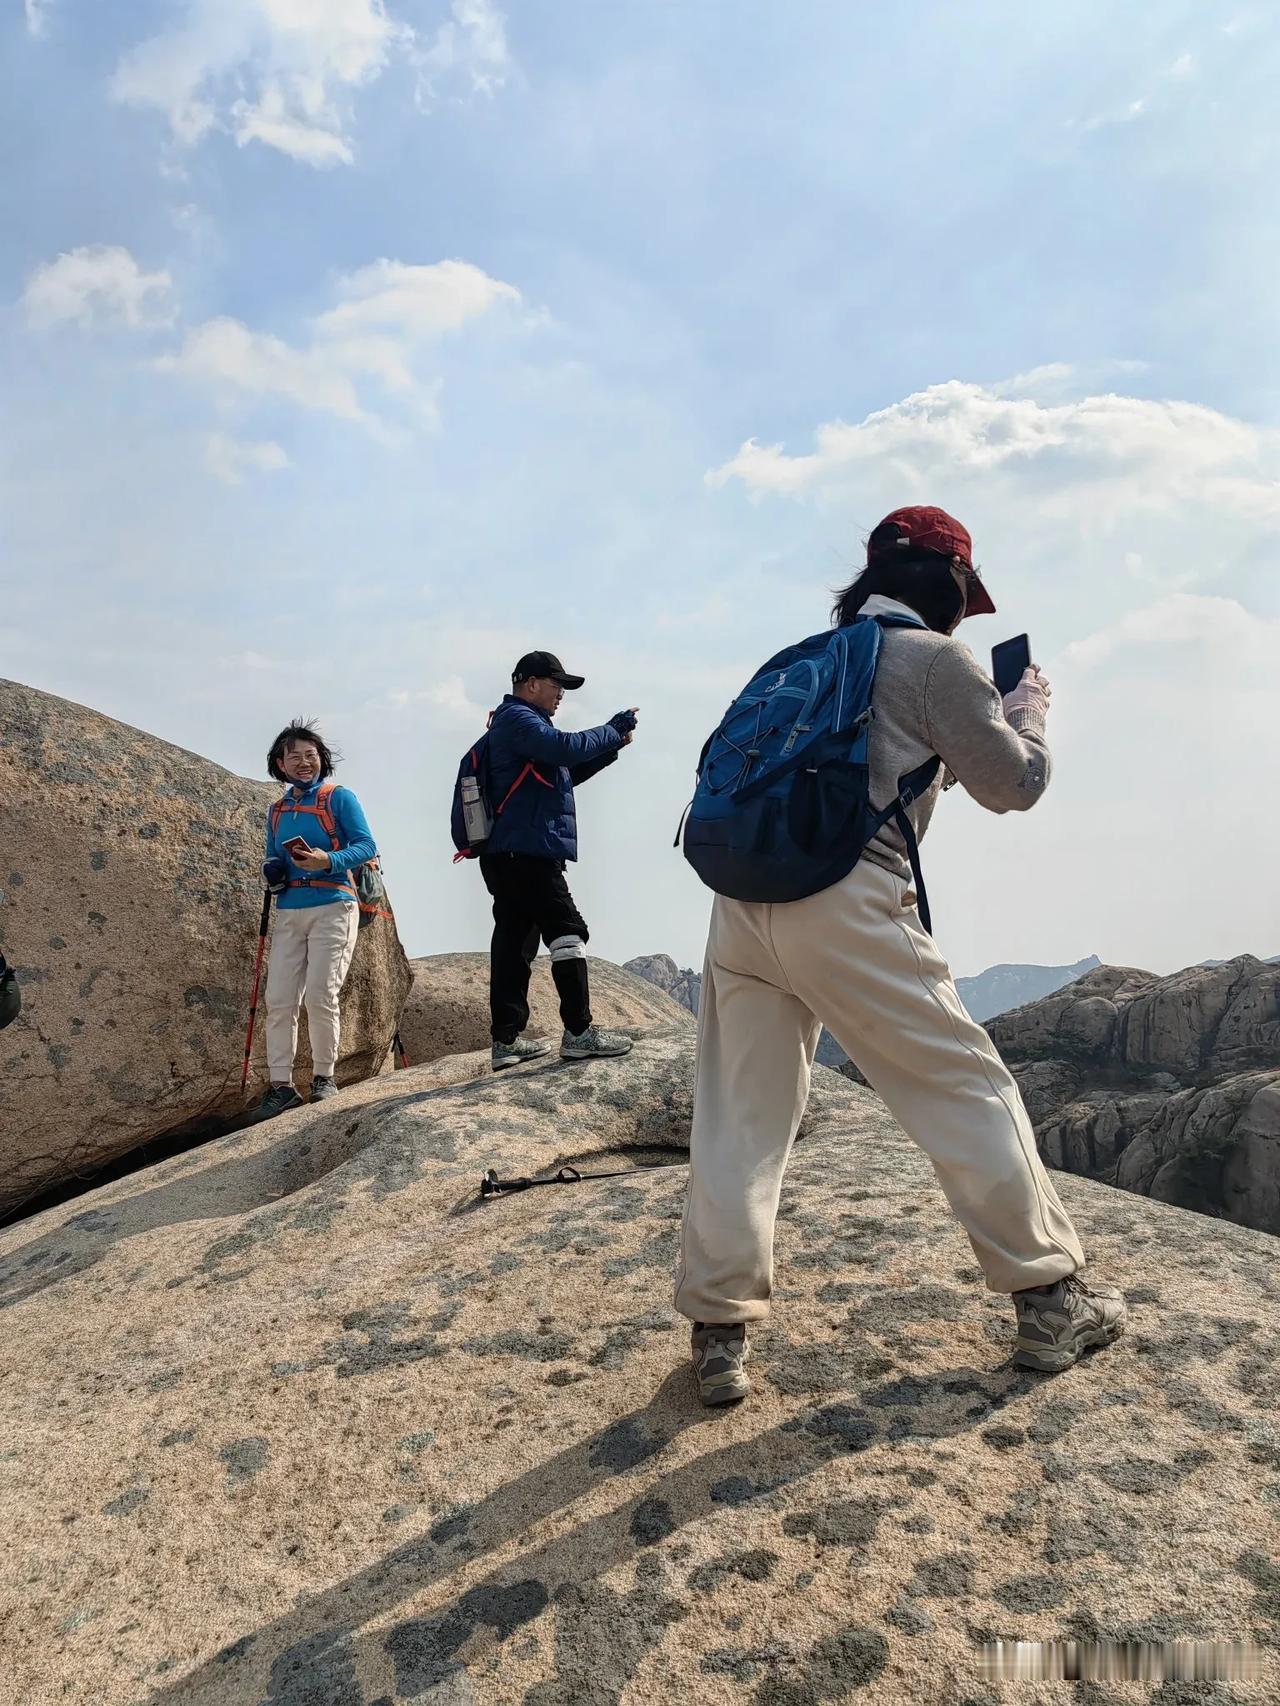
(311, 949)
(857, 959)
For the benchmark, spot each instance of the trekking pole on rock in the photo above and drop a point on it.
(257, 978)
(398, 1046)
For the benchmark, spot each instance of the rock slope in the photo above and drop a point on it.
(131, 913)
(447, 1009)
(294, 1420)
(1167, 1086)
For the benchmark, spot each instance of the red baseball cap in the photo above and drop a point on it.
(930, 529)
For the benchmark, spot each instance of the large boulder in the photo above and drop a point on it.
(131, 912)
(1078, 1022)
(318, 1425)
(1168, 1086)
(447, 1009)
(684, 986)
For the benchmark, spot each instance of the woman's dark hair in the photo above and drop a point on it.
(299, 731)
(922, 579)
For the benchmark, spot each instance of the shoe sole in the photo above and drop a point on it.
(594, 1053)
(731, 1390)
(518, 1059)
(1041, 1360)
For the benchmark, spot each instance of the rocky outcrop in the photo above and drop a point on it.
(330, 1429)
(683, 986)
(447, 1009)
(1167, 1086)
(131, 913)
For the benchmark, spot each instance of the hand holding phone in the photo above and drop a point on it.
(297, 844)
(1010, 661)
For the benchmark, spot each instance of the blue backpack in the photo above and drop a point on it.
(782, 807)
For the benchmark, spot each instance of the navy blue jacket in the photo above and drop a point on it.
(539, 817)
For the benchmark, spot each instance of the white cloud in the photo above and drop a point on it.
(1118, 453)
(284, 73)
(230, 459)
(448, 699)
(37, 12)
(1182, 617)
(1119, 115)
(470, 47)
(269, 120)
(413, 300)
(224, 353)
(372, 336)
(96, 286)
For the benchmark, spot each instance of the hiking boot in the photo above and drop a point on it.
(278, 1100)
(512, 1054)
(593, 1044)
(1058, 1322)
(322, 1087)
(718, 1355)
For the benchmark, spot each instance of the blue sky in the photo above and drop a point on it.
(353, 349)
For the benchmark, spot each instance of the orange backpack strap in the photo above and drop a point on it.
(527, 771)
(324, 813)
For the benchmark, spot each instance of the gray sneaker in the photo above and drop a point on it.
(511, 1054)
(1057, 1323)
(278, 1100)
(322, 1088)
(594, 1044)
(718, 1355)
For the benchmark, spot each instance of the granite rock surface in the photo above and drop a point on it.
(295, 1419)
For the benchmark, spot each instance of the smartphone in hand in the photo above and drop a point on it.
(296, 845)
(1010, 661)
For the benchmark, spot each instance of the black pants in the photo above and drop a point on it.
(531, 902)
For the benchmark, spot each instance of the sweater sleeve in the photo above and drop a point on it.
(1002, 762)
(353, 827)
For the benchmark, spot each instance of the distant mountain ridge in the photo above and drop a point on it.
(994, 991)
(1000, 988)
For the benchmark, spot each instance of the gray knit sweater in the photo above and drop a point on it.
(932, 696)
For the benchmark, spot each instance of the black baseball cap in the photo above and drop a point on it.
(547, 666)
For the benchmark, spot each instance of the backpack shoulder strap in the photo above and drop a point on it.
(910, 787)
(325, 813)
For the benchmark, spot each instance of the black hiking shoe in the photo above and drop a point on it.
(1057, 1323)
(278, 1100)
(323, 1088)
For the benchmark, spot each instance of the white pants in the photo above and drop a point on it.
(857, 959)
(311, 949)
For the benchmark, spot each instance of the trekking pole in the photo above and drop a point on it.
(257, 977)
(398, 1046)
(492, 1186)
